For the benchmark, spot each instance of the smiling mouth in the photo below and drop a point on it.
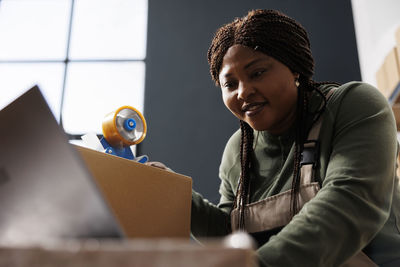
(253, 108)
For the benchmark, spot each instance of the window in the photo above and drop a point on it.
(87, 56)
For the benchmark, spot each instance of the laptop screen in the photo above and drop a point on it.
(46, 191)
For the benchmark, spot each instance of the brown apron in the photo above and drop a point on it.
(274, 212)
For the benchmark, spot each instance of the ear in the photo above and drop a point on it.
(296, 79)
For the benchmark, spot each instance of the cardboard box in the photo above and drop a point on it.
(392, 69)
(397, 49)
(397, 36)
(138, 253)
(396, 112)
(147, 201)
(381, 82)
(388, 75)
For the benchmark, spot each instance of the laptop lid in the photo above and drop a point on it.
(46, 191)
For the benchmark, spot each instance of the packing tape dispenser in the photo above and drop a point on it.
(122, 129)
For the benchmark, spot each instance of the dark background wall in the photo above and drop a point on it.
(188, 124)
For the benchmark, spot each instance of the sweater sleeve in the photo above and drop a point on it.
(207, 219)
(354, 201)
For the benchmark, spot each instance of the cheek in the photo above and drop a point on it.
(225, 98)
(293, 95)
(230, 101)
(289, 94)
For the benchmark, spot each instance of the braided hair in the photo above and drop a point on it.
(279, 36)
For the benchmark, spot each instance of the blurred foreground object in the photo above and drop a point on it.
(240, 239)
(149, 253)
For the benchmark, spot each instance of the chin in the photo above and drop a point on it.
(257, 127)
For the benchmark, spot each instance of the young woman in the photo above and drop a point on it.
(311, 173)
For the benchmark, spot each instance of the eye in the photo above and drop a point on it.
(229, 85)
(257, 73)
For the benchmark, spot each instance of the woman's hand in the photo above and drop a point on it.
(158, 165)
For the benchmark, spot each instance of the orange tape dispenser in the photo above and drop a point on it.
(123, 128)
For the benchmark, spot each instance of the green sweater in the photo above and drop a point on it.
(358, 206)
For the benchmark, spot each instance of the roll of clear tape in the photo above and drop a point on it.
(124, 127)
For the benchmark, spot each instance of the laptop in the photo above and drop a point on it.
(46, 192)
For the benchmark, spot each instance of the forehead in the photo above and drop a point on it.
(239, 53)
(239, 56)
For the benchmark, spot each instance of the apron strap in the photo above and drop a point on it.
(310, 154)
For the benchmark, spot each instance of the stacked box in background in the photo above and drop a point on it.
(398, 41)
(396, 105)
(388, 77)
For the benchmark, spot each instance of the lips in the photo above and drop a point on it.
(252, 109)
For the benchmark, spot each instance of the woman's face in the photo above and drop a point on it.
(258, 89)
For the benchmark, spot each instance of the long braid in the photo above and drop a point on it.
(316, 86)
(301, 132)
(297, 152)
(246, 152)
(300, 137)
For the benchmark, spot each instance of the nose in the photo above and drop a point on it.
(245, 90)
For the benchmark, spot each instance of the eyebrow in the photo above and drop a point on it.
(248, 65)
(255, 61)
